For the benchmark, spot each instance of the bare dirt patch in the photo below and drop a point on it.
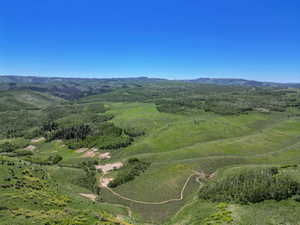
(212, 175)
(94, 149)
(105, 181)
(108, 167)
(105, 155)
(89, 196)
(30, 148)
(36, 140)
(81, 150)
(89, 154)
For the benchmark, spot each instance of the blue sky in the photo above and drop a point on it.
(257, 39)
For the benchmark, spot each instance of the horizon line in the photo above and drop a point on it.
(141, 76)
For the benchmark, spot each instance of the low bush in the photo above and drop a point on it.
(222, 216)
(134, 132)
(288, 166)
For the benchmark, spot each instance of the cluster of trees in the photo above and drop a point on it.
(31, 123)
(102, 142)
(18, 123)
(132, 169)
(226, 108)
(49, 126)
(251, 185)
(179, 105)
(232, 102)
(7, 147)
(84, 126)
(103, 136)
(14, 149)
(50, 160)
(75, 132)
(89, 180)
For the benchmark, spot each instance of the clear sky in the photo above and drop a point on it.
(252, 39)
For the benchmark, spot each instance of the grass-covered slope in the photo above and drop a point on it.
(26, 100)
(277, 204)
(32, 194)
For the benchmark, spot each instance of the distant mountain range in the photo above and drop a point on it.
(242, 82)
(217, 81)
(45, 80)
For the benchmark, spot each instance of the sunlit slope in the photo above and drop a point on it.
(203, 134)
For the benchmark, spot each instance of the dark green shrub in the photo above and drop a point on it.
(54, 159)
(296, 198)
(133, 132)
(289, 166)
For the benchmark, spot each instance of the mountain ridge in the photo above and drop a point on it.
(202, 80)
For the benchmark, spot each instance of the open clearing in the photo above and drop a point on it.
(30, 148)
(36, 140)
(109, 167)
(105, 155)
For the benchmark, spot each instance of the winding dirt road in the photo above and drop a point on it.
(156, 203)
